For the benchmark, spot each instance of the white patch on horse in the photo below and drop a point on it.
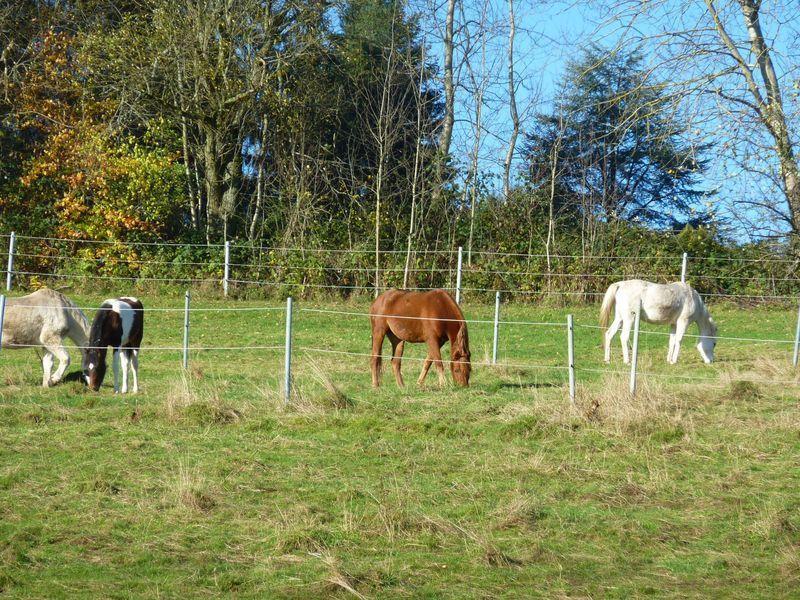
(126, 313)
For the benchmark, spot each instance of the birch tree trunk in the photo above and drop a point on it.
(512, 103)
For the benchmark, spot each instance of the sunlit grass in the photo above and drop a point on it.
(205, 484)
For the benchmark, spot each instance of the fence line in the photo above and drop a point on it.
(696, 336)
(443, 251)
(122, 278)
(418, 359)
(570, 368)
(116, 242)
(127, 261)
(160, 348)
(225, 280)
(488, 321)
(169, 309)
(218, 280)
(368, 269)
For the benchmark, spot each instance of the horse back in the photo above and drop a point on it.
(29, 319)
(137, 328)
(416, 316)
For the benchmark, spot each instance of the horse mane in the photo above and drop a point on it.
(74, 310)
(461, 345)
(706, 315)
(96, 332)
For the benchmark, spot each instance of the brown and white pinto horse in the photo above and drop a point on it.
(119, 323)
(430, 317)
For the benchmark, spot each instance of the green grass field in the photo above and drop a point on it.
(204, 485)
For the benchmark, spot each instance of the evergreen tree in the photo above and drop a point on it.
(619, 149)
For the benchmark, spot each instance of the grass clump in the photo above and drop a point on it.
(503, 489)
(652, 411)
(743, 391)
(191, 402)
(320, 396)
(189, 490)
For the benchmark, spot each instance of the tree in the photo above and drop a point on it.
(732, 62)
(203, 64)
(614, 144)
(394, 112)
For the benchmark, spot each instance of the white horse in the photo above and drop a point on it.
(43, 319)
(676, 304)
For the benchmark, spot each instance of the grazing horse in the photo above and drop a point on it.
(430, 317)
(676, 304)
(119, 323)
(43, 319)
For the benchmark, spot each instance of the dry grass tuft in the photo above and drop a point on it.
(334, 397)
(611, 406)
(189, 491)
(309, 400)
(789, 564)
(338, 579)
(521, 513)
(764, 370)
(187, 400)
(741, 391)
(497, 558)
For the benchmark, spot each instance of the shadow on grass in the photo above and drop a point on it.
(73, 376)
(528, 385)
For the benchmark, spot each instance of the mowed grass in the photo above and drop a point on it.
(204, 484)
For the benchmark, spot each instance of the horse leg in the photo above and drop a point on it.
(135, 370)
(63, 362)
(435, 354)
(397, 356)
(377, 348)
(123, 359)
(47, 367)
(610, 333)
(680, 328)
(426, 365)
(115, 367)
(671, 343)
(624, 338)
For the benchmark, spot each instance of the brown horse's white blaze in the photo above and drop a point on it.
(119, 323)
(432, 318)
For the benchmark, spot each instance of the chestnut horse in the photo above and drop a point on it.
(430, 317)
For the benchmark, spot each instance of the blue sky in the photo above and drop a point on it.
(551, 33)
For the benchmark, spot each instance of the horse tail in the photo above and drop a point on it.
(609, 300)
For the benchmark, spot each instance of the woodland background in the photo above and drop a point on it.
(400, 130)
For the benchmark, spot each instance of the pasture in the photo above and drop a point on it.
(205, 485)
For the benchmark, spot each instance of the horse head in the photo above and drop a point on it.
(460, 357)
(94, 368)
(708, 339)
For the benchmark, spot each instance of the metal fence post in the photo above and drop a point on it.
(186, 331)
(683, 267)
(2, 316)
(12, 243)
(496, 326)
(458, 275)
(635, 354)
(227, 267)
(796, 340)
(287, 359)
(571, 357)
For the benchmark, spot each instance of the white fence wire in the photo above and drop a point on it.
(224, 262)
